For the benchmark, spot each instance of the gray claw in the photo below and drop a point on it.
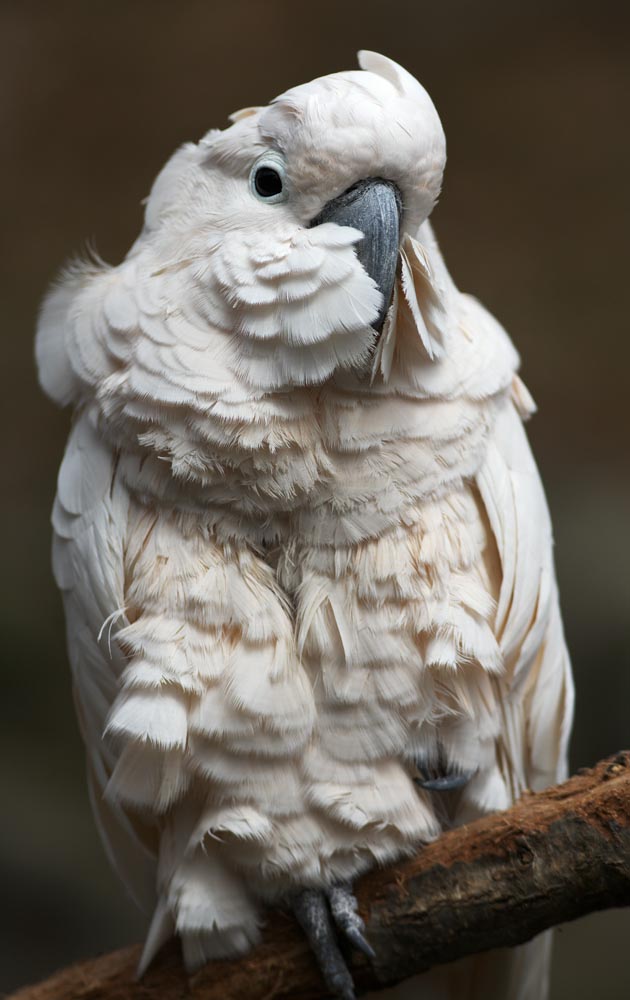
(445, 782)
(435, 776)
(360, 942)
(311, 909)
(343, 905)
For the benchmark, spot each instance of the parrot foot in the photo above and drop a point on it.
(320, 913)
(435, 777)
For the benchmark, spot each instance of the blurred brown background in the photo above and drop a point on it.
(534, 218)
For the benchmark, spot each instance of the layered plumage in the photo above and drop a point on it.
(296, 556)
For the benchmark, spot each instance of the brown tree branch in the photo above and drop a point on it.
(552, 857)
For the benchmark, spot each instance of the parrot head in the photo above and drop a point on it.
(268, 255)
(290, 220)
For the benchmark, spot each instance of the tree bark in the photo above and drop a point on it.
(554, 856)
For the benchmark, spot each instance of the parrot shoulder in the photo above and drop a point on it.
(56, 376)
(61, 329)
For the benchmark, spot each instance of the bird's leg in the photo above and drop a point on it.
(434, 775)
(311, 910)
(319, 913)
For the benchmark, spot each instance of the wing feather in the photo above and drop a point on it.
(90, 520)
(539, 706)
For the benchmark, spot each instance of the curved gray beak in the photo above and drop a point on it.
(373, 206)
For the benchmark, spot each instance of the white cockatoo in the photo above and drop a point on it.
(303, 547)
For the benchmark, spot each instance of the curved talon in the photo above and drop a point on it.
(445, 782)
(436, 777)
(361, 943)
(311, 909)
(343, 906)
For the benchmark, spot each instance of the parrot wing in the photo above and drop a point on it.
(539, 706)
(89, 522)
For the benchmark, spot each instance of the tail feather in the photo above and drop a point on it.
(162, 928)
(201, 899)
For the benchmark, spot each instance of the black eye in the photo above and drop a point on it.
(268, 182)
(268, 178)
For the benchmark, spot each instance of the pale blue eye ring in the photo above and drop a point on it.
(268, 179)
